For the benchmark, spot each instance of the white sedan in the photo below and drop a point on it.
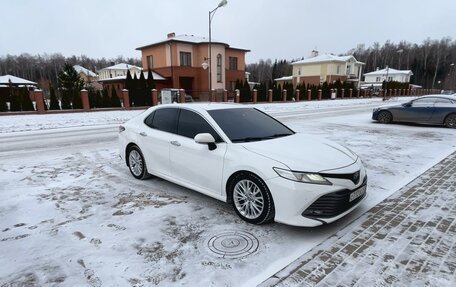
(245, 157)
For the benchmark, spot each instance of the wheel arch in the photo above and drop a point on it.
(232, 177)
(448, 115)
(127, 148)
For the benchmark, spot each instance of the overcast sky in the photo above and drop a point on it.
(276, 29)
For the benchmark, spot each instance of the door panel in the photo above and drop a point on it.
(194, 163)
(419, 111)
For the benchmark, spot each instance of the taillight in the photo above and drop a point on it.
(121, 129)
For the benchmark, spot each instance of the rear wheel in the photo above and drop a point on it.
(385, 117)
(136, 163)
(251, 199)
(450, 121)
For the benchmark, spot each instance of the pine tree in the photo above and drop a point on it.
(245, 92)
(105, 100)
(92, 98)
(98, 99)
(115, 101)
(141, 91)
(3, 105)
(133, 91)
(76, 99)
(150, 84)
(26, 103)
(70, 84)
(15, 102)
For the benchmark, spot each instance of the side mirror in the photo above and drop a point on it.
(206, 138)
(407, 105)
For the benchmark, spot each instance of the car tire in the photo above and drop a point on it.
(450, 121)
(251, 198)
(384, 117)
(136, 163)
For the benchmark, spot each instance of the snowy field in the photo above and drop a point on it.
(76, 217)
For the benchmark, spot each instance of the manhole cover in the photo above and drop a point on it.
(233, 244)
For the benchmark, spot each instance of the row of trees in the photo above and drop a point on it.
(432, 62)
(262, 90)
(44, 69)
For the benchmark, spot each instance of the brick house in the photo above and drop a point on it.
(329, 68)
(180, 60)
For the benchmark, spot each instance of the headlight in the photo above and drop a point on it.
(307, 177)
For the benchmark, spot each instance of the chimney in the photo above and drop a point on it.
(171, 35)
(314, 53)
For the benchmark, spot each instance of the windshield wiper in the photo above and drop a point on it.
(251, 139)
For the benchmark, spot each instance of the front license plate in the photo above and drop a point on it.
(357, 193)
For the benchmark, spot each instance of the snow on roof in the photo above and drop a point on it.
(288, 78)
(6, 79)
(121, 66)
(156, 76)
(327, 58)
(391, 71)
(81, 69)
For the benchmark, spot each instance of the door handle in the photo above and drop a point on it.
(143, 134)
(176, 143)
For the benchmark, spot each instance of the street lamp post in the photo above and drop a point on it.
(209, 58)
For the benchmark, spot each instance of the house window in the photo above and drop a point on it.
(233, 63)
(348, 69)
(219, 68)
(299, 71)
(390, 79)
(337, 70)
(150, 62)
(378, 79)
(186, 59)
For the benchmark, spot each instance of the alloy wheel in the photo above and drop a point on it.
(248, 199)
(136, 163)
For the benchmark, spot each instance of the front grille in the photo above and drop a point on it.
(354, 177)
(333, 204)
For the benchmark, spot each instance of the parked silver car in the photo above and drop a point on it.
(431, 109)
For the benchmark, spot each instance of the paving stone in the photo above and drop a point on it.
(408, 239)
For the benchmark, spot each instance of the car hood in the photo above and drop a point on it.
(301, 152)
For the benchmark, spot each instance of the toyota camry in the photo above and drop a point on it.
(242, 156)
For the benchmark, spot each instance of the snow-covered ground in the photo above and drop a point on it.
(76, 217)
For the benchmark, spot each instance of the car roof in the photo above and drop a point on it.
(450, 97)
(205, 106)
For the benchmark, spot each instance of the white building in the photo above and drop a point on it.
(117, 70)
(377, 77)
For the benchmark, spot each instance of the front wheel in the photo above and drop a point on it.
(251, 199)
(450, 121)
(385, 117)
(136, 163)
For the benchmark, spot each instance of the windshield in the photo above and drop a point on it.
(247, 124)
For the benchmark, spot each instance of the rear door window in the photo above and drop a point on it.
(165, 120)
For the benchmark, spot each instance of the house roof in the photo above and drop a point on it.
(156, 77)
(326, 58)
(190, 39)
(6, 79)
(121, 66)
(81, 69)
(390, 71)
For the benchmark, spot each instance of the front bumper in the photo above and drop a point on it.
(303, 204)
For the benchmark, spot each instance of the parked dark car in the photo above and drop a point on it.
(431, 109)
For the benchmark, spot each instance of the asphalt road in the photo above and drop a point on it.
(26, 143)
